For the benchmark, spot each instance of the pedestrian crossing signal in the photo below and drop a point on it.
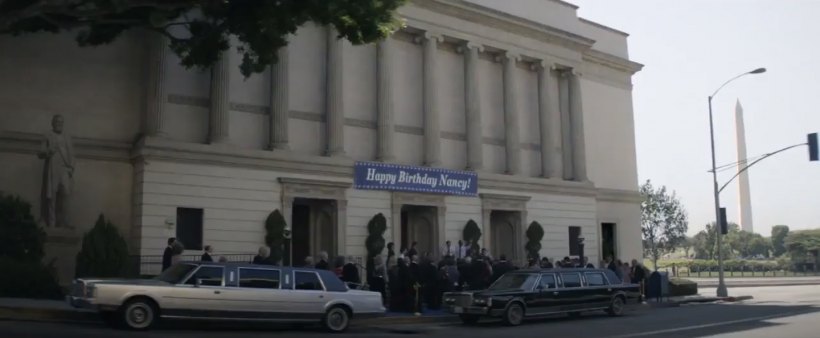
(814, 151)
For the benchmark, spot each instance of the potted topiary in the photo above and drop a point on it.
(104, 252)
(275, 236)
(534, 235)
(375, 241)
(471, 234)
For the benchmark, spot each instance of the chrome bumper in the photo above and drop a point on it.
(468, 310)
(80, 303)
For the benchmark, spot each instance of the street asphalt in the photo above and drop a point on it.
(783, 312)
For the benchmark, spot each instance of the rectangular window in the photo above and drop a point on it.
(595, 279)
(574, 235)
(571, 280)
(189, 228)
(547, 282)
(259, 278)
(307, 281)
(208, 276)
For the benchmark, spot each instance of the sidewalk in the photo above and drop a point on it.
(757, 281)
(41, 310)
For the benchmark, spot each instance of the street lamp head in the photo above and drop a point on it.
(758, 71)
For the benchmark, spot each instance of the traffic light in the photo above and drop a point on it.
(724, 225)
(814, 151)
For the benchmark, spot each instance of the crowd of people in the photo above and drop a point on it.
(411, 281)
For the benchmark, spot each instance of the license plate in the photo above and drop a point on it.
(458, 309)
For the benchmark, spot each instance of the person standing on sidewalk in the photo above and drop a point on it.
(638, 276)
(168, 254)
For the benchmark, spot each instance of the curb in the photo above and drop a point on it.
(756, 284)
(81, 316)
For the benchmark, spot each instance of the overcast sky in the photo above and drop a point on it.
(689, 48)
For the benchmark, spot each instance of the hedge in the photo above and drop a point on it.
(25, 279)
(728, 265)
(682, 287)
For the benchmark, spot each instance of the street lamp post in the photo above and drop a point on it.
(721, 290)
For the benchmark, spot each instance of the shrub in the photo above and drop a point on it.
(472, 233)
(375, 241)
(104, 252)
(29, 279)
(20, 237)
(534, 235)
(275, 235)
(682, 287)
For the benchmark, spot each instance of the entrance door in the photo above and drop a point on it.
(608, 240)
(418, 224)
(314, 228)
(502, 225)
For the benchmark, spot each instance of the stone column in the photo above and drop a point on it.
(579, 163)
(279, 104)
(220, 100)
(472, 97)
(432, 130)
(335, 119)
(157, 92)
(549, 123)
(386, 123)
(566, 126)
(511, 127)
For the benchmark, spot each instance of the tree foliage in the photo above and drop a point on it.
(104, 252)
(736, 243)
(199, 30)
(779, 233)
(663, 221)
(472, 233)
(275, 236)
(803, 245)
(20, 237)
(534, 235)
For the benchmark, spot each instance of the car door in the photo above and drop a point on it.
(197, 299)
(308, 295)
(571, 295)
(546, 295)
(598, 288)
(258, 294)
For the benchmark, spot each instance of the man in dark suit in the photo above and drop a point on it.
(167, 254)
(502, 267)
(206, 256)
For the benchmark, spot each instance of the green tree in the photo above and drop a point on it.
(275, 236)
(779, 233)
(199, 31)
(472, 233)
(375, 241)
(663, 221)
(706, 242)
(687, 245)
(104, 252)
(803, 245)
(20, 237)
(534, 235)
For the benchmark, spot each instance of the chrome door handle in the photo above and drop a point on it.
(217, 292)
(555, 293)
(321, 296)
(609, 290)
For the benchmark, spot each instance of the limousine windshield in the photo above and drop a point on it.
(176, 273)
(515, 281)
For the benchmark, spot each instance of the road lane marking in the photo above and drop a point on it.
(703, 326)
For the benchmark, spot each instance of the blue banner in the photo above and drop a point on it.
(397, 177)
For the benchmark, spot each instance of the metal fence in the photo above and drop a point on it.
(708, 271)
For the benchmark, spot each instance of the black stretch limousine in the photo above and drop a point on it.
(533, 293)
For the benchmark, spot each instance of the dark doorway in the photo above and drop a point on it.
(608, 240)
(301, 233)
(418, 224)
(574, 241)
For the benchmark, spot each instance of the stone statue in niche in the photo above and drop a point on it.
(58, 174)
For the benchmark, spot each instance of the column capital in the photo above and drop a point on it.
(508, 56)
(544, 64)
(429, 36)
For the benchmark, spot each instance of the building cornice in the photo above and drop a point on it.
(606, 28)
(337, 171)
(494, 18)
(612, 61)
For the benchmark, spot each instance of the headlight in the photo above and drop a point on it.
(482, 301)
(449, 300)
(90, 291)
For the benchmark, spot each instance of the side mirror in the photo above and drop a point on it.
(198, 282)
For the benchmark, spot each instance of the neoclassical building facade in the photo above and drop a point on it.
(528, 103)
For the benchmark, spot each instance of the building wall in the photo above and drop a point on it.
(627, 219)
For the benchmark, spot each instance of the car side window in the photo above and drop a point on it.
(547, 282)
(595, 279)
(209, 275)
(571, 279)
(259, 278)
(304, 280)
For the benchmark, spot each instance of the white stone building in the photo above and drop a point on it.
(533, 98)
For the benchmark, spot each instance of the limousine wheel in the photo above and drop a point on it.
(336, 319)
(616, 307)
(514, 314)
(139, 314)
